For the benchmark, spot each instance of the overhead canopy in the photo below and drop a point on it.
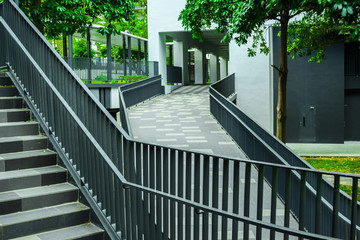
(211, 42)
(116, 40)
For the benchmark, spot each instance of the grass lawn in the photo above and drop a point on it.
(337, 164)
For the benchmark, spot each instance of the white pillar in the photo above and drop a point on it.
(200, 59)
(162, 62)
(214, 68)
(223, 68)
(181, 60)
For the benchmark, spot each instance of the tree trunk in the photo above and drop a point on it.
(283, 72)
(37, 21)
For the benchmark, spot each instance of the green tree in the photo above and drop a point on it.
(80, 48)
(243, 19)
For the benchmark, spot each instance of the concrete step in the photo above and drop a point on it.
(44, 219)
(34, 177)
(13, 129)
(11, 102)
(86, 231)
(22, 143)
(14, 115)
(5, 81)
(27, 159)
(8, 91)
(37, 197)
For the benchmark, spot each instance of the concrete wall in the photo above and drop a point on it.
(315, 96)
(252, 83)
(162, 16)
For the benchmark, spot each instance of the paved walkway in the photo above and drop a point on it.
(347, 149)
(182, 119)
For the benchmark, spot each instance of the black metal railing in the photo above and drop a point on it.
(147, 191)
(138, 92)
(140, 189)
(259, 144)
(174, 74)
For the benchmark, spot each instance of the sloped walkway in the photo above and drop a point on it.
(182, 120)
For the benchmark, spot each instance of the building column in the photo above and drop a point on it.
(200, 60)
(108, 53)
(223, 68)
(129, 55)
(162, 62)
(88, 44)
(124, 55)
(214, 68)
(181, 60)
(71, 55)
(146, 58)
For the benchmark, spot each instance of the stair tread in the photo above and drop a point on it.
(25, 154)
(9, 124)
(41, 213)
(15, 110)
(25, 138)
(31, 172)
(36, 191)
(73, 232)
(14, 97)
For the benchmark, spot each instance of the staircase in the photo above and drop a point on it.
(36, 200)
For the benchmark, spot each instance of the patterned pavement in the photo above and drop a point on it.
(182, 119)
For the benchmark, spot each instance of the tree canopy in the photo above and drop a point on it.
(242, 19)
(56, 18)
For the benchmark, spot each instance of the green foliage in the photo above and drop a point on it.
(56, 18)
(102, 79)
(80, 48)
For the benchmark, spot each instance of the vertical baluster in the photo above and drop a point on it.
(206, 179)
(335, 223)
(274, 189)
(127, 156)
(132, 178)
(287, 202)
(260, 199)
(172, 192)
(188, 196)
(196, 195)
(152, 176)
(180, 194)
(302, 206)
(225, 200)
(354, 209)
(318, 203)
(215, 196)
(166, 190)
(247, 198)
(139, 194)
(146, 195)
(158, 157)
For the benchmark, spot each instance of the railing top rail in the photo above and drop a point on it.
(67, 67)
(253, 161)
(65, 104)
(135, 85)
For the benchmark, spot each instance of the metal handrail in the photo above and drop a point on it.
(234, 116)
(26, 57)
(123, 179)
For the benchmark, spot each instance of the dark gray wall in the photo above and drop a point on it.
(315, 96)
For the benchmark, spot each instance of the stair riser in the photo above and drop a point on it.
(8, 92)
(32, 181)
(29, 162)
(96, 236)
(19, 130)
(21, 116)
(46, 224)
(25, 204)
(18, 146)
(5, 81)
(11, 103)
